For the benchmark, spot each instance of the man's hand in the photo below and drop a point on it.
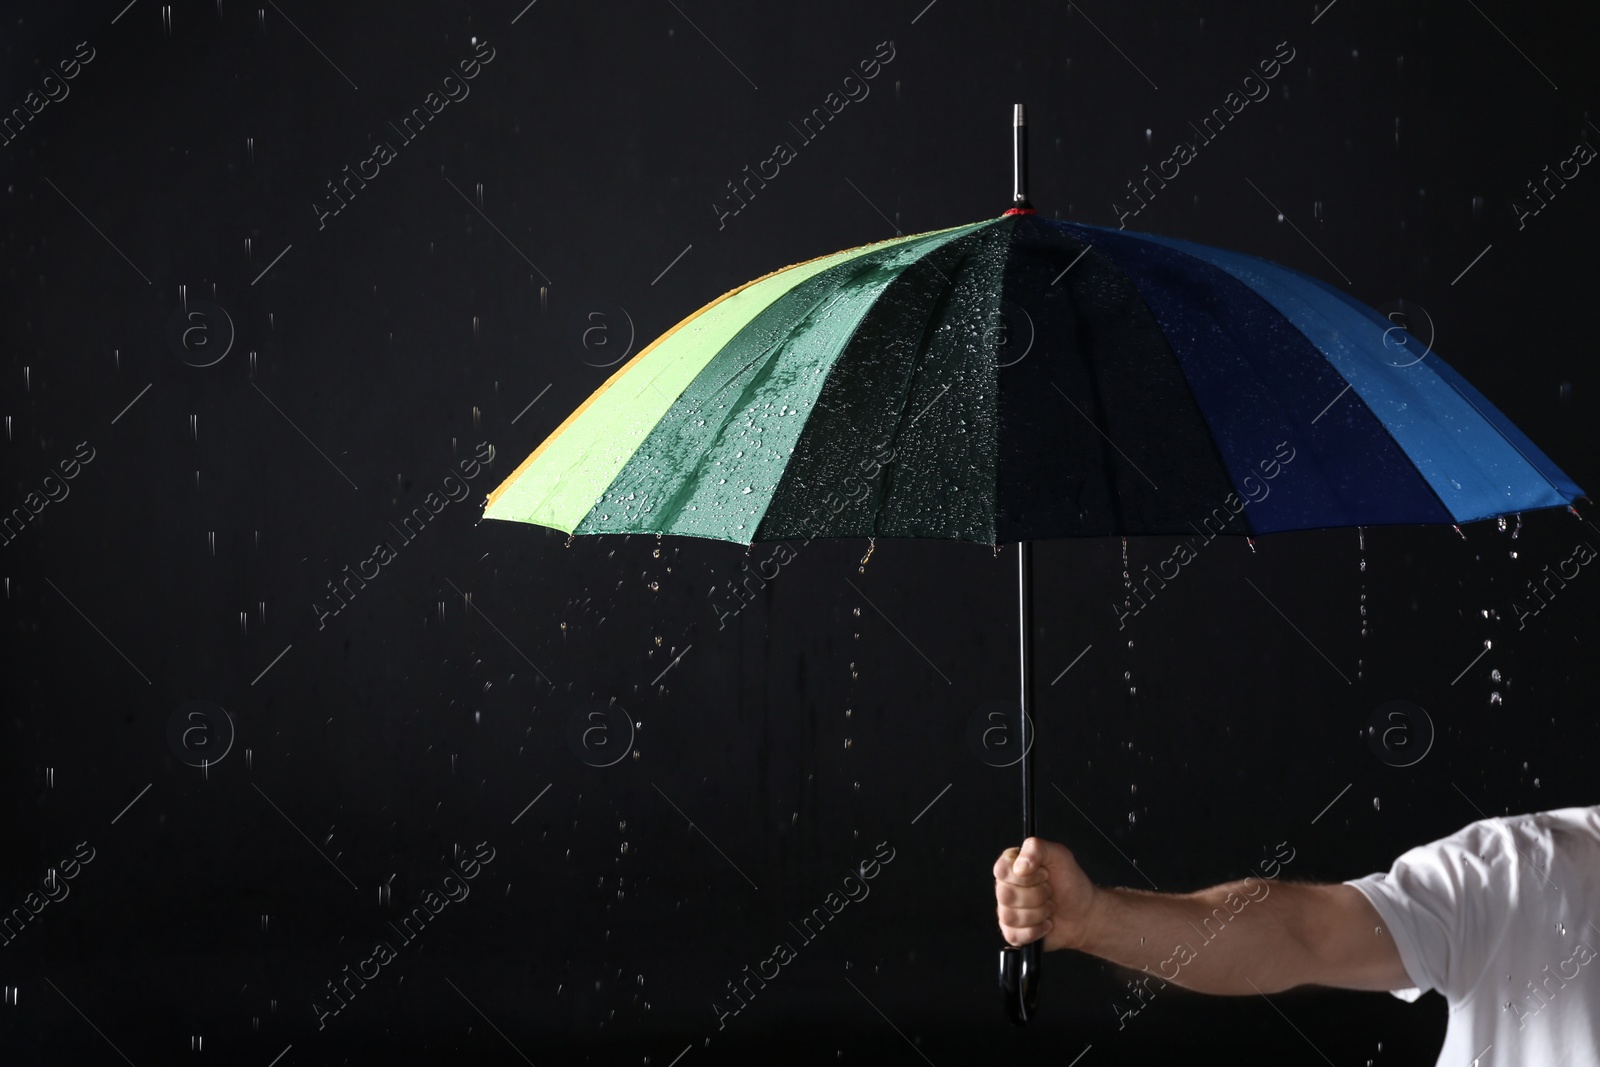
(1278, 934)
(1040, 891)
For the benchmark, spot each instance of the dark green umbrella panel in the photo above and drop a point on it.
(1025, 378)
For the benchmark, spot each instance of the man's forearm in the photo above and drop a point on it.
(1240, 937)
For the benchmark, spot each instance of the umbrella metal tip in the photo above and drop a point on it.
(1018, 118)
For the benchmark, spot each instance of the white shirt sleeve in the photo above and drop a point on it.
(1446, 904)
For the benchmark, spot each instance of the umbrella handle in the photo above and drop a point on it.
(1019, 980)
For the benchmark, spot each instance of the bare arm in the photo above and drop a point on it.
(1236, 938)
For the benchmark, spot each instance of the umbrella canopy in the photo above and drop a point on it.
(1024, 378)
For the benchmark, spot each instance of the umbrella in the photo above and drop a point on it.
(1021, 378)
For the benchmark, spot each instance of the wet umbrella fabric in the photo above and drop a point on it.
(1026, 378)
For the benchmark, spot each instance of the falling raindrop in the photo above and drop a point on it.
(1495, 699)
(1374, 803)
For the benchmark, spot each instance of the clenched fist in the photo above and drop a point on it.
(1040, 891)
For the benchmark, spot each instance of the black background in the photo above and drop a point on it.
(383, 347)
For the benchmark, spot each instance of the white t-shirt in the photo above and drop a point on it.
(1503, 919)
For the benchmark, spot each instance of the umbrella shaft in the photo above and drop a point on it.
(1025, 644)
